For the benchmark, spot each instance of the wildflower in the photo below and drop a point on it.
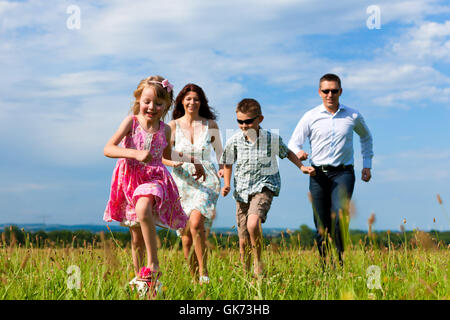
(347, 295)
(371, 220)
(25, 260)
(439, 198)
(352, 209)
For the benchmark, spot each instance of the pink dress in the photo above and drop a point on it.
(133, 179)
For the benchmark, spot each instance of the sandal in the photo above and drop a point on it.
(143, 287)
(148, 275)
(140, 286)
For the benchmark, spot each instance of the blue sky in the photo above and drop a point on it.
(64, 91)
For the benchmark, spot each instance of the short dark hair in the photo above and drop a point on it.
(205, 111)
(330, 77)
(248, 105)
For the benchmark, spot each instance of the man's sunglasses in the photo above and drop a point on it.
(247, 121)
(333, 91)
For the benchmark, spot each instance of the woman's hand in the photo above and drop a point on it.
(199, 172)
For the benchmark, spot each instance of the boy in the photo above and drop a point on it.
(256, 179)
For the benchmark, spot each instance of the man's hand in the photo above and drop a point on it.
(366, 175)
(308, 170)
(302, 155)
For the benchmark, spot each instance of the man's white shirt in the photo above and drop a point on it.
(331, 136)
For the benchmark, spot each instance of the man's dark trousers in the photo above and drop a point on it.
(331, 189)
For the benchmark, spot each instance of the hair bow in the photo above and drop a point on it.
(166, 84)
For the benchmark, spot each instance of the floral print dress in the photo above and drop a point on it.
(133, 179)
(199, 194)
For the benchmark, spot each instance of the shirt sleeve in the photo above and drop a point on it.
(277, 145)
(229, 155)
(366, 141)
(301, 133)
(283, 149)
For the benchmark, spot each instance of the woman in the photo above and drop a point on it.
(195, 132)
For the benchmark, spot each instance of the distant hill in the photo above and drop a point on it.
(115, 228)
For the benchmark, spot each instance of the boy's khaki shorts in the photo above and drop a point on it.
(259, 204)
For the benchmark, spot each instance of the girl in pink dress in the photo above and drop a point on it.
(143, 193)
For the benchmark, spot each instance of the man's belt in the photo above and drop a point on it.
(340, 167)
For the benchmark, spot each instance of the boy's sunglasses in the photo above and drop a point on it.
(247, 121)
(333, 91)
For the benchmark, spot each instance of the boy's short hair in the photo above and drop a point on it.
(330, 77)
(248, 105)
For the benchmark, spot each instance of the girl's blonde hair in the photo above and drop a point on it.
(161, 93)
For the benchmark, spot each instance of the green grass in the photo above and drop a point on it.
(291, 273)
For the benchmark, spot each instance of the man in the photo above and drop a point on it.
(329, 128)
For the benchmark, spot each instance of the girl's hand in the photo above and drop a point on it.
(220, 173)
(199, 172)
(225, 190)
(308, 170)
(143, 156)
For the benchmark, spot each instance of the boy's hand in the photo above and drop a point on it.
(308, 170)
(225, 190)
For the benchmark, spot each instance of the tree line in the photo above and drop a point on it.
(301, 238)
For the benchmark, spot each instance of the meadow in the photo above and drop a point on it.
(418, 269)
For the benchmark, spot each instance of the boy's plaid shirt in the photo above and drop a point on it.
(256, 164)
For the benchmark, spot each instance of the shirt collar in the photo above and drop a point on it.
(261, 132)
(323, 109)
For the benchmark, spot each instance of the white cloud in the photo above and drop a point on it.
(405, 73)
(214, 44)
(421, 165)
(78, 84)
(23, 187)
(427, 42)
